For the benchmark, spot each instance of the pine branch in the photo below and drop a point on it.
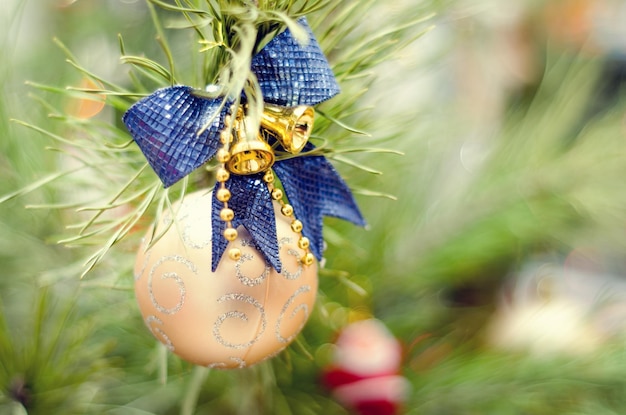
(226, 36)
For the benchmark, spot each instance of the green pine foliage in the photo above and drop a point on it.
(78, 195)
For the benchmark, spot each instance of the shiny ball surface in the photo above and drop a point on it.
(239, 315)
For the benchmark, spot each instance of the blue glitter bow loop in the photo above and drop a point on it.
(178, 130)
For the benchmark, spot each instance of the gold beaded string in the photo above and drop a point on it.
(223, 194)
(287, 211)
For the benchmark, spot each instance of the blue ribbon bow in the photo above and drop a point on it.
(165, 125)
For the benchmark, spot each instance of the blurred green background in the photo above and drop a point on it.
(498, 262)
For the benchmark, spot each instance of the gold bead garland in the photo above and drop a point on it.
(223, 194)
(287, 211)
(227, 215)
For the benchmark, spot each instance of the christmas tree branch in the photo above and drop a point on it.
(226, 35)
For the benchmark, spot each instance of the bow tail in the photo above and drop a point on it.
(315, 189)
(254, 210)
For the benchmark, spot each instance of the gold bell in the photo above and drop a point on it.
(248, 155)
(290, 126)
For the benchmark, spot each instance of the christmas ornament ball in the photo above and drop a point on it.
(239, 315)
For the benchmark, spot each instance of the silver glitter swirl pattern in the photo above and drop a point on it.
(245, 280)
(189, 242)
(158, 332)
(301, 307)
(170, 275)
(247, 242)
(291, 251)
(241, 364)
(240, 315)
(216, 365)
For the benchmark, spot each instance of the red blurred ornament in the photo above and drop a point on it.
(365, 373)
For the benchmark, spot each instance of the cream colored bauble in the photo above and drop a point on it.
(239, 315)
